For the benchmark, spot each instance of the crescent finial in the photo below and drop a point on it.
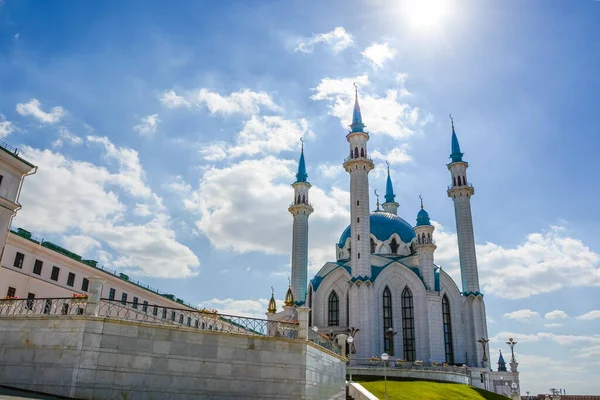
(355, 89)
(421, 197)
(272, 291)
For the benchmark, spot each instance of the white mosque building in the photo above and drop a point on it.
(384, 288)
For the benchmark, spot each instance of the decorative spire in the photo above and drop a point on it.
(501, 363)
(289, 296)
(456, 155)
(389, 189)
(301, 175)
(421, 197)
(376, 195)
(357, 124)
(272, 309)
(422, 216)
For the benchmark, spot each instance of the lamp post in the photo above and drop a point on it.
(385, 357)
(390, 332)
(484, 342)
(512, 343)
(350, 340)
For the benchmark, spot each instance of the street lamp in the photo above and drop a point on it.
(350, 340)
(385, 357)
(484, 342)
(512, 343)
(390, 332)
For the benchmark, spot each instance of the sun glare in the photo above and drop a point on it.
(425, 13)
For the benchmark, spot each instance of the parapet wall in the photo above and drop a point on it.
(91, 358)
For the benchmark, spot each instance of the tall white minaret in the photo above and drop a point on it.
(358, 165)
(360, 295)
(300, 209)
(460, 192)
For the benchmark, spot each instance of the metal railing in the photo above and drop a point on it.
(357, 158)
(468, 184)
(205, 320)
(408, 365)
(323, 341)
(36, 307)
(8, 147)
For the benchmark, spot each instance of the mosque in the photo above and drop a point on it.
(384, 288)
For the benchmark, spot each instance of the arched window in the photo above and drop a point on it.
(423, 238)
(408, 326)
(334, 310)
(373, 245)
(387, 318)
(356, 152)
(459, 184)
(429, 238)
(358, 237)
(464, 180)
(298, 202)
(394, 246)
(447, 330)
(453, 181)
(362, 152)
(303, 198)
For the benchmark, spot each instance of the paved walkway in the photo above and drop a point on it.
(14, 394)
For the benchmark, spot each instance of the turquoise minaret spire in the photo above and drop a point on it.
(357, 124)
(456, 155)
(301, 175)
(501, 363)
(390, 204)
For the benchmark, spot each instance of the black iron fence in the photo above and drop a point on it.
(51, 306)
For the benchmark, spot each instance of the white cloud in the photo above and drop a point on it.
(563, 340)
(534, 267)
(555, 325)
(556, 314)
(80, 244)
(383, 115)
(330, 170)
(65, 136)
(147, 125)
(33, 108)
(216, 151)
(95, 211)
(338, 39)
(522, 315)
(595, 314)
(379, 53)
(246, 102)
(142, 210)
(397, 155)
(6, 127)
(247, 308)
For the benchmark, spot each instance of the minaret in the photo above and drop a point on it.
(461, 191)
(300, 209)
(425, 247)
(390, 204)
(358, 165)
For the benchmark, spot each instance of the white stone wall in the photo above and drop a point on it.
(87, 358)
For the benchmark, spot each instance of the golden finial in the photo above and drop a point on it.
(376, 195)
(272, 308)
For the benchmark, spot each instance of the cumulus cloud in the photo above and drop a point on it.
(397, 155)
(378, 53)
(34, 109)
(563, 340)
(253, 308)
(522, 315)
(96, 212)
(338, 39)
(64, 135)
(147, 125)
(554, 325)
(246, 102)
(80, 244)
(534, 267)
(595, 314)
(556, 314)
(330, 170)
(383, 114)
(6, 127)
(216, 151)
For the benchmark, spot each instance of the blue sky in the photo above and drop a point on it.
(167, 137)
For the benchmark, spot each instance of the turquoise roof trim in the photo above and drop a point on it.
(301, 176)
(383, 226)
(476, 294)
(423, 218)
(389, 189)
(316, 281)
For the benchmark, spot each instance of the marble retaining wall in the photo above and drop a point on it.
(91, 358)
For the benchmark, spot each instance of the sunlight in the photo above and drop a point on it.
(425, 13)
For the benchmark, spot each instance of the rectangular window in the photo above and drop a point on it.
(11, 292)
(124, 298)
(135, 302)
(181, 318)
(155, 310)
(71, 279)
(189, 321)
(19, 257)
(172, 315)
(164, 313)
(203, 325)
(196, 324)
(111, 294)
(85, 283)
(37, 267)
(55, 272)
(145, 306)
(29, 304)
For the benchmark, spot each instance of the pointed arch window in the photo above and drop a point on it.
(303, 199)
(387, 318)
(334, 310)
(373, 246)
(454, 181)
(447, 330)
(408, 325)
(394, 246)
(356, 152)
(362, 152)
(459, 184)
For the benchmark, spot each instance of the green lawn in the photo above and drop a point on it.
(425, 390)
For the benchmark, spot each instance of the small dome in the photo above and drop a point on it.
(289, 297)
(423, 218)
(383, 226)
(272, 309)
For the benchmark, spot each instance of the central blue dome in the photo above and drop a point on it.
(384, 225)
